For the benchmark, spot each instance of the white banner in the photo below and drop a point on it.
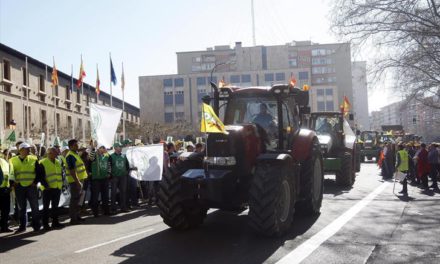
(148, 160)
(104, 121)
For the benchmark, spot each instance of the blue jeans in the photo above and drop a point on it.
(28, 194)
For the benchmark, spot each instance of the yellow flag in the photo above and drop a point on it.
(210, 122)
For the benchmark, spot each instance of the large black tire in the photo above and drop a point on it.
(174, 213)
(312, 183)
(345, 177)
(358, 161)
(272, 199)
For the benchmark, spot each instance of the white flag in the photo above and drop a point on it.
(104, 121)
(148, 160)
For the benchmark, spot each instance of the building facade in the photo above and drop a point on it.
(415, 117)
(28, 98)
(324, 67)
(360, 95)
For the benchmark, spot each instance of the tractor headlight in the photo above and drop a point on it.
(221, 161)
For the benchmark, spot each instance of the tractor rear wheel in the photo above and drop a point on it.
(345, 176)
(272, 199)
(312, 181)
(174, 213)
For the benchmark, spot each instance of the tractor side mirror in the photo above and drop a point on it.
(358, 132)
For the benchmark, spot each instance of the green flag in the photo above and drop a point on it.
(11, 137)
(64, 143)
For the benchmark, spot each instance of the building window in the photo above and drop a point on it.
(329, 106)
(6, 70)
(68, 93)
(78, 97)
(42, 97)
(293, 63)
(23, 69)
(303, 75)
(168, 98)
(201, 81)
(27, 116)
(168, 82)
(329, 91)
(179, 98)
(235, 79)
(180, 115)
(246, 78)
(321, 106)
(268, 77)
(169, 117)
(69, 122)
(43, 120)
(320, 92)
(178, 82)
(56, 91)
(280, 76)
(8, 113)
(41, 83)
(58, 121)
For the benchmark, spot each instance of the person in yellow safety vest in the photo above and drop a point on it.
(5, 196)
(402, 165)
(76, 174)
(25, 178)
(51, 172)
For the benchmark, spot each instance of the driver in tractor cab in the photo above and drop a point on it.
(325, 127)
(264, 119)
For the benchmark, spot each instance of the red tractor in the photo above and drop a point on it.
(266, 162)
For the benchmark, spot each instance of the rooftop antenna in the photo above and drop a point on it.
(253, 23)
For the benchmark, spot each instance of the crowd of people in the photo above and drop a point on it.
(417, 162)
(90, 173)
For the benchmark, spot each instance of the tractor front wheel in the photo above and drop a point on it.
(272, 199)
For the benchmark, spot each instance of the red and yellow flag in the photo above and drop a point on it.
(54, 75)
(82, 74)
(345, 107)
(98, 82)
(222, 83)
(292, 82)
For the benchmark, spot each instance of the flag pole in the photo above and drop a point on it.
(82, 100)
(111, 88)
(97, 94)
(55, 108)
(28, 119)
(123, 101)
(47, 109)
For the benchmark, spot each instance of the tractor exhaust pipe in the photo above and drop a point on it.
(216, 103)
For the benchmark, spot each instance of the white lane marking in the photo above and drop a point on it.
(305, 249)
(114, 240)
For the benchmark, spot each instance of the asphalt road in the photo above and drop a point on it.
(364, 224)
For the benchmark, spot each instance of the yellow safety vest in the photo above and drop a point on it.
(80, 168)
(53, 171)
(5, 168)
(404, 160)
(24, 171)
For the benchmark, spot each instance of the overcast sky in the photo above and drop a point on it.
(146, 34)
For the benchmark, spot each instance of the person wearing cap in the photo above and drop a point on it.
(25, 179)
(99, 179)
(52, 173)
(5, 195)
(76, 174)
(119, 167)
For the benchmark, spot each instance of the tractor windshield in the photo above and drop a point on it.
(324, 125)
(368, 136)
(260, 111)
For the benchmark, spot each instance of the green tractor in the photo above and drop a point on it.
(369, 143)
(338, 146)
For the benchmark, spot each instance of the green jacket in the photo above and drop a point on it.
(100, 167)
(118, 165)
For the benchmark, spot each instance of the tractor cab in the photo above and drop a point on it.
(329, 126)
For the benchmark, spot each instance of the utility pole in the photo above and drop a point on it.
(253, 23)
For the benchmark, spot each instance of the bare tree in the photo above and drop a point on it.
(406, 37)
